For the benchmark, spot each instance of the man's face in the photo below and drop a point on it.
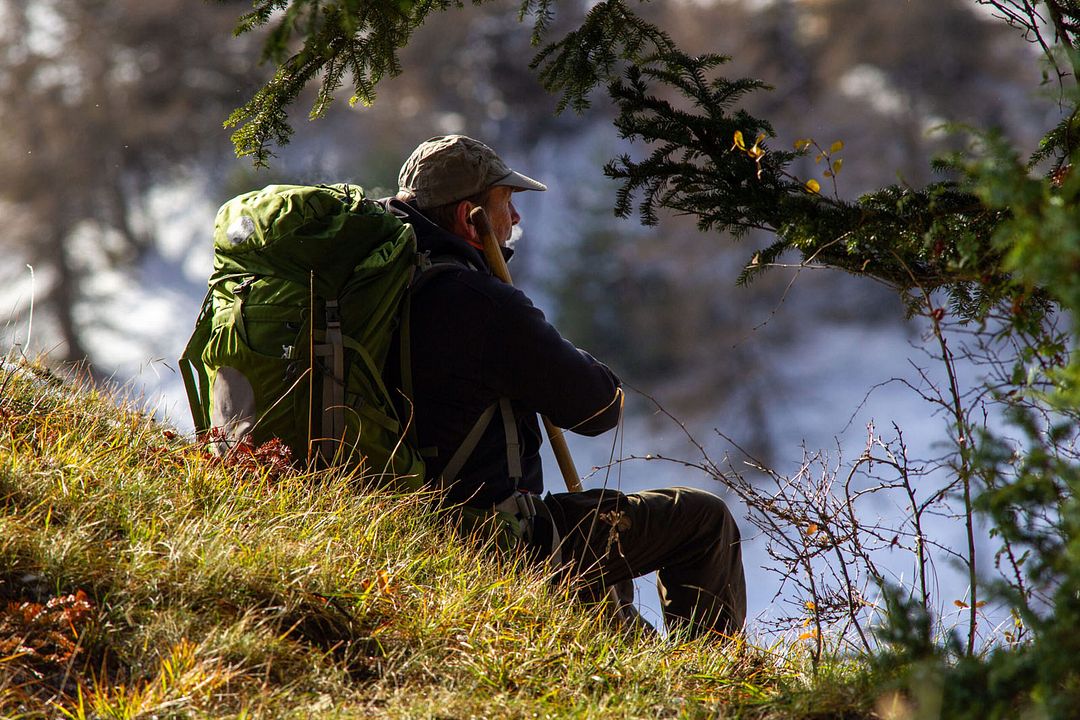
(501, 213)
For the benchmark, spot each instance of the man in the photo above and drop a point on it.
(485, 363)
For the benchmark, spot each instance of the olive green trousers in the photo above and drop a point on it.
(687, 536)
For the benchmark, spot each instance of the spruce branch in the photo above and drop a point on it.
(309, 38)
(588, 57)
(939, 237)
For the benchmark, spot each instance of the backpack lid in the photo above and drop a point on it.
(292, 231)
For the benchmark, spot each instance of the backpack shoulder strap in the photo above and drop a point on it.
(472, 439)
(427, 270)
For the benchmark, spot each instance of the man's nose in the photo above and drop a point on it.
(514, 217)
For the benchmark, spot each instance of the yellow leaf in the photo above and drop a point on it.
(760, 137)
(837, 164)
(818, 158)
(812, 635)
(739, 143)
(810, 605)
(756, 153)
(837, 146)
(803, 143)
(812, 527)
(813, 186)
(980, 603)
(960, 603)
(828, 173)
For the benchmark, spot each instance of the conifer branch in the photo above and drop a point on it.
(334, 36)
(312, 38)
(587, 57)
(940, 237)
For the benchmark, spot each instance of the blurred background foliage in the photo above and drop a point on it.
(113, 142)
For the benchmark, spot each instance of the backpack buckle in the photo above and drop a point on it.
(333, 313)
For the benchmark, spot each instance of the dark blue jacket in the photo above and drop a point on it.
(475, 339)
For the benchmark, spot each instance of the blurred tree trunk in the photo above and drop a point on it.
(63, 296)
(101, 103)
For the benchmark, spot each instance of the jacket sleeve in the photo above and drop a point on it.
(526, 359)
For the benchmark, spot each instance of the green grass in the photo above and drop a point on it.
(141, 578)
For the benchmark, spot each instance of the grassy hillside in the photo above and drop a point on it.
(141, 578)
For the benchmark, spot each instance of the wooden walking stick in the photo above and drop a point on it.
(493, 255)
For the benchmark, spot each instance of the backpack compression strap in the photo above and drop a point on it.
(333, 416)
(192, 369)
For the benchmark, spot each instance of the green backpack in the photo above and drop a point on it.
(308, 287)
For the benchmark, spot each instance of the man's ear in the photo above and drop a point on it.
(462, 226)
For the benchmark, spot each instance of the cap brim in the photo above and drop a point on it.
(517, 181)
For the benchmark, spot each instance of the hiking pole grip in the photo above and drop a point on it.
(497, 263)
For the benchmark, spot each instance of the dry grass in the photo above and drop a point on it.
(141, 578)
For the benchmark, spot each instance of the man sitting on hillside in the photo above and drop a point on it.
(485, 363)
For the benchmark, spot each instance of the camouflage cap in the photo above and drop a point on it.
(449, 168)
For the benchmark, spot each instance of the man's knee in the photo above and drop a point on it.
(705, 512)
